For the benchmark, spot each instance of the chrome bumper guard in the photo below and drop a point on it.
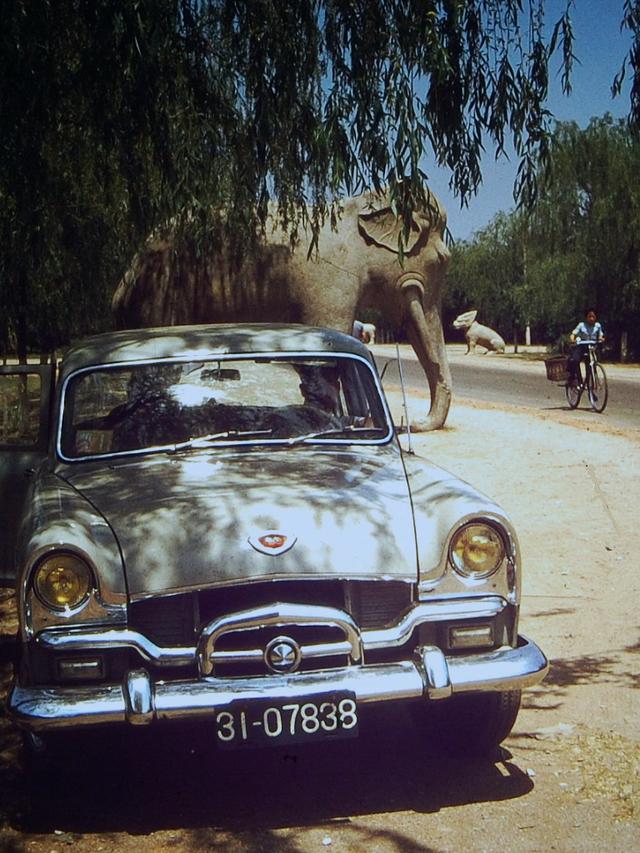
(431, 676)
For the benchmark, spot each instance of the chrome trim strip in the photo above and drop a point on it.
(278, 615)
(117, 638)
(507, 668)
(486, 607)
(253, 655)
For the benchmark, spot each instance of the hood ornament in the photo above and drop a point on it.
(272, 542)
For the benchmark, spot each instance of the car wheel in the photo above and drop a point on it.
(475, 724)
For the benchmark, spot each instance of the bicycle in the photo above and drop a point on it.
(592, 379)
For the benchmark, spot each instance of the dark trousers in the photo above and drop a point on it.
(577, 354)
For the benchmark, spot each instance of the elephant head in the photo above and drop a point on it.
(357, 263)
(416, 280)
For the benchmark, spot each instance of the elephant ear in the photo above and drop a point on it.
(383, 228)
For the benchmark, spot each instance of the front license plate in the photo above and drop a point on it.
(267, 722)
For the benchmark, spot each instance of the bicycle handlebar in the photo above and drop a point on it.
(589, 343)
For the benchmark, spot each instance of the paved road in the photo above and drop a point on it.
(514, 382)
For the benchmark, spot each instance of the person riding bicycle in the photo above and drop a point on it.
(588, 329)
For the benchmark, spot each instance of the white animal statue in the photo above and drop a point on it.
(366, 332)
(475, 333)
(369, 331)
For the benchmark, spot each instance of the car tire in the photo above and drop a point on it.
(475, 724)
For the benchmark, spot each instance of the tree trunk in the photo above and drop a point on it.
(624, 345)
(21, 338)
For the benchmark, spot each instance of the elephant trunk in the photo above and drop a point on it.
(425, 335)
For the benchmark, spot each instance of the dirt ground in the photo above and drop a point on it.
(568, 778)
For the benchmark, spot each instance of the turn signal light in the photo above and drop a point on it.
(471, 637)
(80, 670)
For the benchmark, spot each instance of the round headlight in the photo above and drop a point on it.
(62, 581)
(477, 550)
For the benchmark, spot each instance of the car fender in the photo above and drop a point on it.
(441, 503)
(58, 518)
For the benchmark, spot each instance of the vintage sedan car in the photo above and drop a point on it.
(219, 523)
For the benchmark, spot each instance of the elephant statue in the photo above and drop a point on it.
(357, 264)
(475, 333)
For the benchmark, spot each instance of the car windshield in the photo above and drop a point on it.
(178, 406)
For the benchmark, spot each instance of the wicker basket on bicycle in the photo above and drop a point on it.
(557, 368)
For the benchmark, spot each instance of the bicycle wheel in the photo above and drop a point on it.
(574, 389)
(597, 388)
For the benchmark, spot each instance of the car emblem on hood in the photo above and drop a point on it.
(272, 542)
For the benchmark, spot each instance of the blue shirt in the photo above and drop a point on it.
(584, 332)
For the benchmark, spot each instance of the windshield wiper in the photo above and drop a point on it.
(205, 440)
(297, 439)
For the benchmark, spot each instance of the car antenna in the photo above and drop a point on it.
(404, 399)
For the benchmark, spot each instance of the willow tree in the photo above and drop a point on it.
(120, 116)
(585, 227)
(577, 246)
(488, 274)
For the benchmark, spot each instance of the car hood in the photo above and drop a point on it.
(196, 519)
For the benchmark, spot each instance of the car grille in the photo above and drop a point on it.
(238, 642)
(176, 620)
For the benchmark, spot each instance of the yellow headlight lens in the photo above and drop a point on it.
(62, 581)
(477, 550)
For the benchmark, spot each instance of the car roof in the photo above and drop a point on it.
(203, 341)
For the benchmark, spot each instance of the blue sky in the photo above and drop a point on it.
(600, 47)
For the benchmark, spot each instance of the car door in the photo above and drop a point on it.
(25, 417)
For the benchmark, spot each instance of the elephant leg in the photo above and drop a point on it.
(425, 335)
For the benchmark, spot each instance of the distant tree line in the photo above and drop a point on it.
(578, 246)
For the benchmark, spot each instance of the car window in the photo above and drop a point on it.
(123, 409)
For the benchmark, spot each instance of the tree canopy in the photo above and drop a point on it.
(120, 116)
(579, 245)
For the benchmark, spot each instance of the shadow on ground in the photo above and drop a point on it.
(174, 777)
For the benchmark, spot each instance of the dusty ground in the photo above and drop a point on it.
(568, 778)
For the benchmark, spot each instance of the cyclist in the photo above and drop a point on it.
(588, 329)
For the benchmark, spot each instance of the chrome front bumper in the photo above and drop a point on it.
(139, 700)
